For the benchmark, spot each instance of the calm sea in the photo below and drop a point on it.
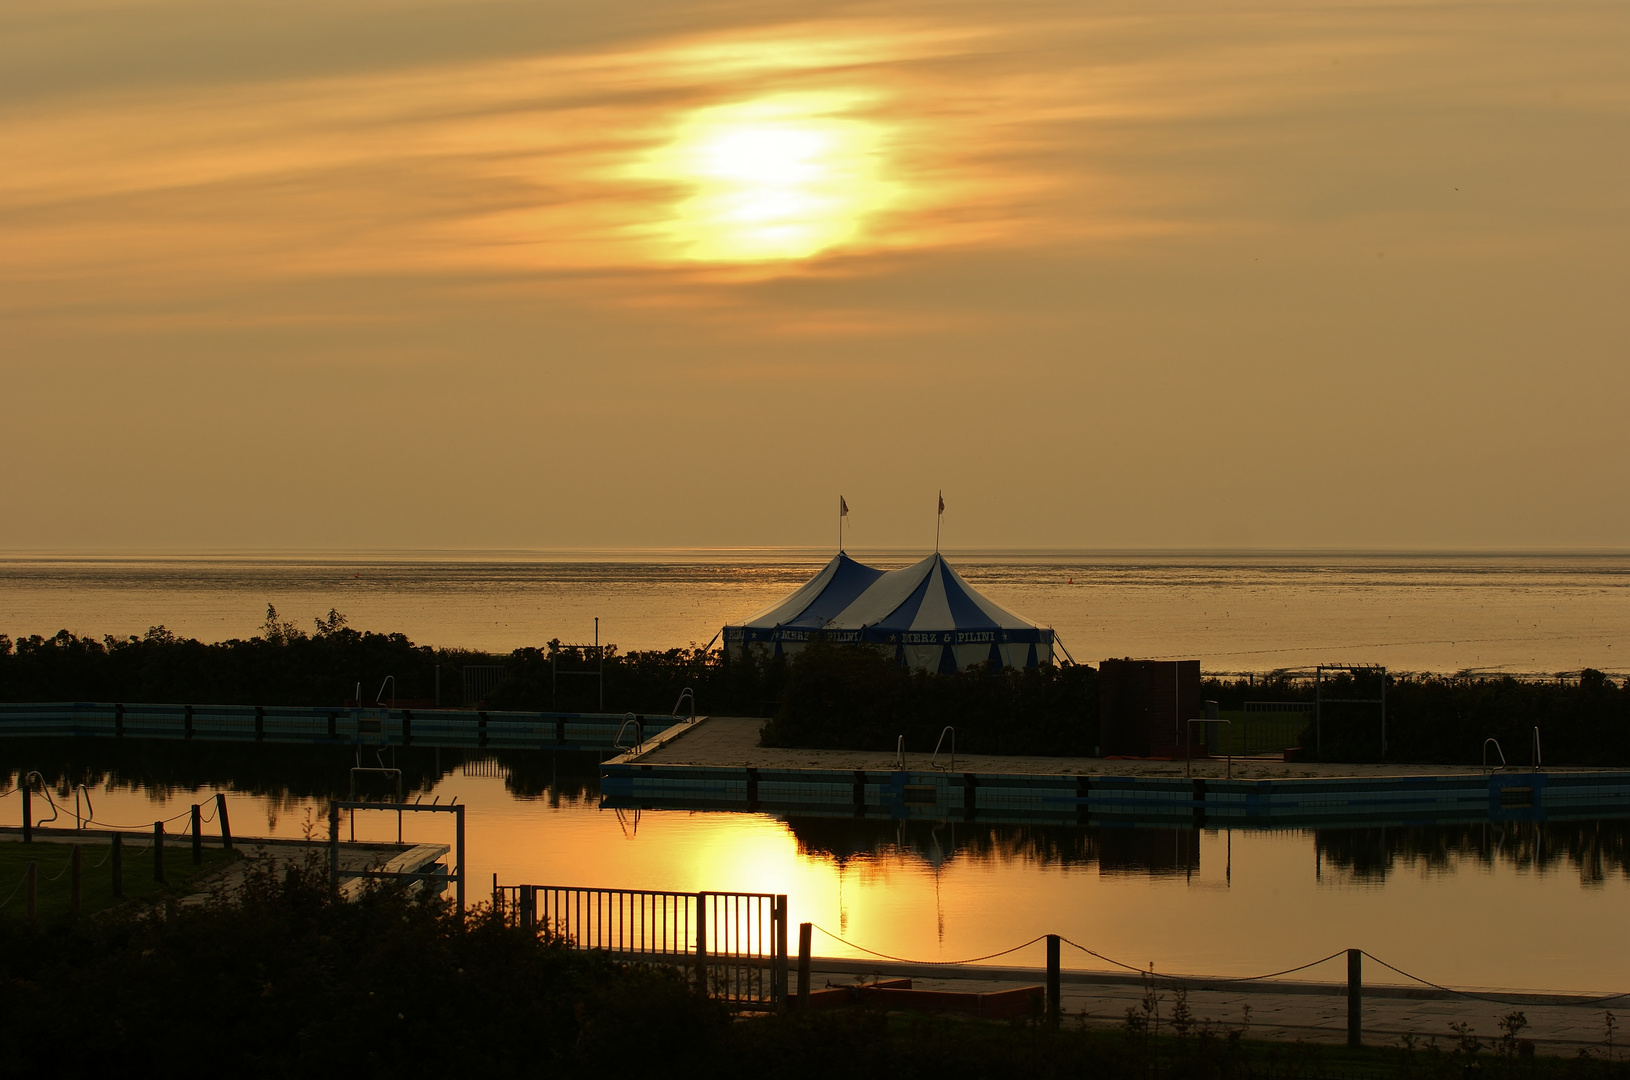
(1251, 611)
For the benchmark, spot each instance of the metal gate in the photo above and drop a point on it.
(734, 944)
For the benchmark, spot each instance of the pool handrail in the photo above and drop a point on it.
(683, 695)
(639, 734)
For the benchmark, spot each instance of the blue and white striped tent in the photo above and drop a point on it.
(924, 614)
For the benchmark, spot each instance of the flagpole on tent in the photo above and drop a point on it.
(937, 521)
(843, 512)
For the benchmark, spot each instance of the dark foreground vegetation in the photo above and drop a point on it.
(828, 697)
(284, 980)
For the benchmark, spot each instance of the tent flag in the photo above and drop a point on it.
(925, 615)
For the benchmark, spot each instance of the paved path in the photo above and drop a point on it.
(1312, 1017)
(733, 741)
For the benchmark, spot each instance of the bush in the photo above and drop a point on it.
(287, 980)
(842, 696)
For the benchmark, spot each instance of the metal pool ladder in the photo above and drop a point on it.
(639, 734)
(685, 695)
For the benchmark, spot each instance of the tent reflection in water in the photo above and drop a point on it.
(925, 615)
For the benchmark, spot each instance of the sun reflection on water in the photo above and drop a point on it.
(776, 178)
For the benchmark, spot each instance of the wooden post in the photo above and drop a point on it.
(31, 889)
(781, 951)
(804, 930)
(158, 851)
(226, 824)
(117, 855)
(28, 812)
(197, 835)
(75, 891)
(1355, 997)
(1054, 1004)
(463, 867)
(334, 846)
(701, 942)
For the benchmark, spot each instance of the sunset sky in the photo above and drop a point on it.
(435, 274)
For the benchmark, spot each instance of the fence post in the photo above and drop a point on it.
(117, 855)
(158, 851)
(781, 951)
(701, 942)
(334, 846)
(75, 891)
(28, 812)
(197, 835)
(226, 824)
(1355, 997)
(31, 888)
(804, 930)
(463, 867)
(1054, 1004)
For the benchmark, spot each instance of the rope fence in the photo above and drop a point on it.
(13, 894)
(1480, 995)
(936, 963)
(1150, 972)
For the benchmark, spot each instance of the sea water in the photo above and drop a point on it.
(1250, 611)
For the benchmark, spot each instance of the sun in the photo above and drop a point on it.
(773, 179)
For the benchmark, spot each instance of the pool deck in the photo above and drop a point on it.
(732, 741)
(717, 763)
(275, 855)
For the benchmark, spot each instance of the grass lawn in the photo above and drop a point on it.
(96, 873)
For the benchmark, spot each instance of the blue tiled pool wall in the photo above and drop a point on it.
(1500, 796)
(297, 724)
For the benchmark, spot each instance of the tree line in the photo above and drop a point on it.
(828, 696)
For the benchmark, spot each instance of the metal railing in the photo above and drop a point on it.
(90, 807)
(734, 944)
(934, 761)
(685, 695)
(638, 745)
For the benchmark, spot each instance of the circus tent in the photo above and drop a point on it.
(925, 614)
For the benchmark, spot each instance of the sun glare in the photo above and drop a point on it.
(783, 178)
